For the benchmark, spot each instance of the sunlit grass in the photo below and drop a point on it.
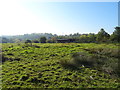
(59, 65)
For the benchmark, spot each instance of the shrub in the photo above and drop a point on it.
(115, 53)
(35, 41)
(67, 64)
(82, 58)
(28, 43)
(79, 59)
(43, 39)
(93, 61)
(111, 67)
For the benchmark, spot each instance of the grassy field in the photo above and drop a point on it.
(60, 65)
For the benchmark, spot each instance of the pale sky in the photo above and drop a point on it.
(20, 17)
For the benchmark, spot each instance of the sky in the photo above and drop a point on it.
(20, 17)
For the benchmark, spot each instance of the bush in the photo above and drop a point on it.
(67, 64)
(35, 41)
(96, 61)
(43, 39)
(79, 59)
(82, 58)
(28, 43)
(115, 53)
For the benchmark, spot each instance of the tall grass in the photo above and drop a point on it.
(92, 61)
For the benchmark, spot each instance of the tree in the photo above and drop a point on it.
(102, 36)
(5, 40)
(52, 40)
(35, 41)
(43, 39)
(115, 37)
(83, 39)
(17, 40)
(91, 37)
(28, 42)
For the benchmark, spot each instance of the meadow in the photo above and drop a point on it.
(60, 65)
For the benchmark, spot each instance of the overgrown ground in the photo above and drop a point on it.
(51, 65)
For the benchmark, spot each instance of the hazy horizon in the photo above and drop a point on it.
(59, 18)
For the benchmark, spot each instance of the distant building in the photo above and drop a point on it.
(65, 40)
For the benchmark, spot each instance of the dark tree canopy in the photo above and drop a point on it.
(5, 40)
(35, 41)
(115, 37)
(28, 41)
(102, 36)
(43, 39)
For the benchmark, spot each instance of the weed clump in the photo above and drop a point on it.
(92, 61)
(79, 59)
(82, 58)
(67, 64)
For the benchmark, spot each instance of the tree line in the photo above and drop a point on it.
(101, 37)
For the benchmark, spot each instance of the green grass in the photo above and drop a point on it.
(44, 66)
